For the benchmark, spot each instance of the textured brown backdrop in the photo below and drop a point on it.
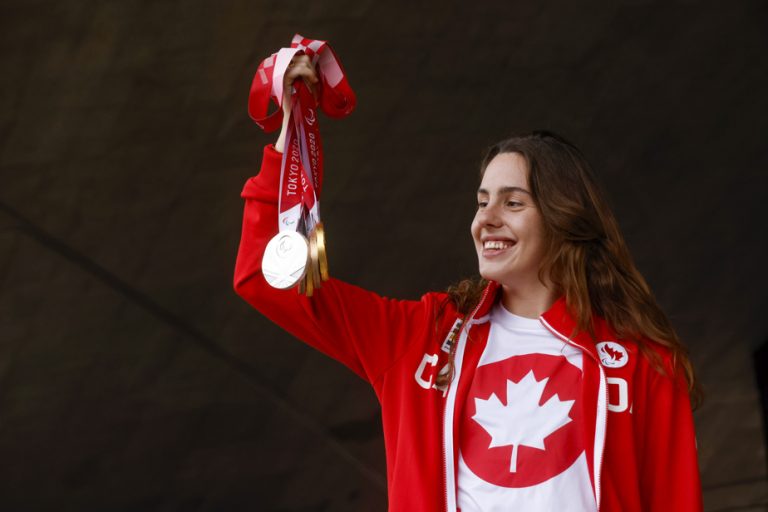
(133, 378)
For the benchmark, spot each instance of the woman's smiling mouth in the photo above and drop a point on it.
(492, 247)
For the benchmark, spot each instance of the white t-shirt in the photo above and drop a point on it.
(521, 442)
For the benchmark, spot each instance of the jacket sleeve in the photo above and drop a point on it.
(669, 473)
(361, 329)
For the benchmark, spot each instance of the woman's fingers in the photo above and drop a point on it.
(299, 67)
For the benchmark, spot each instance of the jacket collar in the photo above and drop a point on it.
(488, 299)
(556, 317)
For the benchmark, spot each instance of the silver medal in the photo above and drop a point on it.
(285, 259)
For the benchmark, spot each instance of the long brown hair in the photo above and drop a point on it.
(587, 259)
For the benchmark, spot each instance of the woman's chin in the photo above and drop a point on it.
(491, 274)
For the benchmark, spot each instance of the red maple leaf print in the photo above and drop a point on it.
(615, 354)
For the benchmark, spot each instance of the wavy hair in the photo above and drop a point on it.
(587, 259)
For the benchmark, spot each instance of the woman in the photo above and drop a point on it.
(554, 382)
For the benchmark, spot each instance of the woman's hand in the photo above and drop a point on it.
(300, 66)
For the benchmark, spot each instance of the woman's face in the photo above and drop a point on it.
(507, 229)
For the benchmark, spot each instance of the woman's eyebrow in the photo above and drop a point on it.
(504, 190)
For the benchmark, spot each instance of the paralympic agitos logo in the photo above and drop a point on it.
(310, 118)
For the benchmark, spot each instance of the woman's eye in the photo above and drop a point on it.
(514, 204)
(482, 204)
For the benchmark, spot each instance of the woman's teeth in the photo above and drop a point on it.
(496, 244)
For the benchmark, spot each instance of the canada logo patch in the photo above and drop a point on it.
(612, 355)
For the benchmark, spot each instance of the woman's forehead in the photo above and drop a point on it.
(506, 170)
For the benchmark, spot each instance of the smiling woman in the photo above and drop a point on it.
(552, 382)
(547, 241)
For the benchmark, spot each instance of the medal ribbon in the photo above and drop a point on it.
(301, 172)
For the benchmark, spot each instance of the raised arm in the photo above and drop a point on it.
(363, 330)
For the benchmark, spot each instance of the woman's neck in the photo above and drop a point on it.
(530, 301)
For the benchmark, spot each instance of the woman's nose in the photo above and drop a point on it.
(489, 215)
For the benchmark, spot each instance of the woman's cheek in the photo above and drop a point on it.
(474, 231)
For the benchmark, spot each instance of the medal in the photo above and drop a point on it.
(314, 264)
(285, 259)
(297, 255)
(322, 256)
(308, 284)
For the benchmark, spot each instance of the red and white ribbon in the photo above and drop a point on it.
(301, 173)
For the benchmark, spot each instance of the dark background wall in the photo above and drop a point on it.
(133, 378)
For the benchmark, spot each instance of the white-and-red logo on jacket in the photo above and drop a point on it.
(612, 355)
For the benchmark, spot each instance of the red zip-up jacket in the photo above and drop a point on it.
(640, 437)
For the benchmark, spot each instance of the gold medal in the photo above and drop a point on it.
(309, 285)
(322, 255)
(314, 268)
(306, 287)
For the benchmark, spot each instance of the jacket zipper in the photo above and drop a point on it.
(605, 416)
(447, 390)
